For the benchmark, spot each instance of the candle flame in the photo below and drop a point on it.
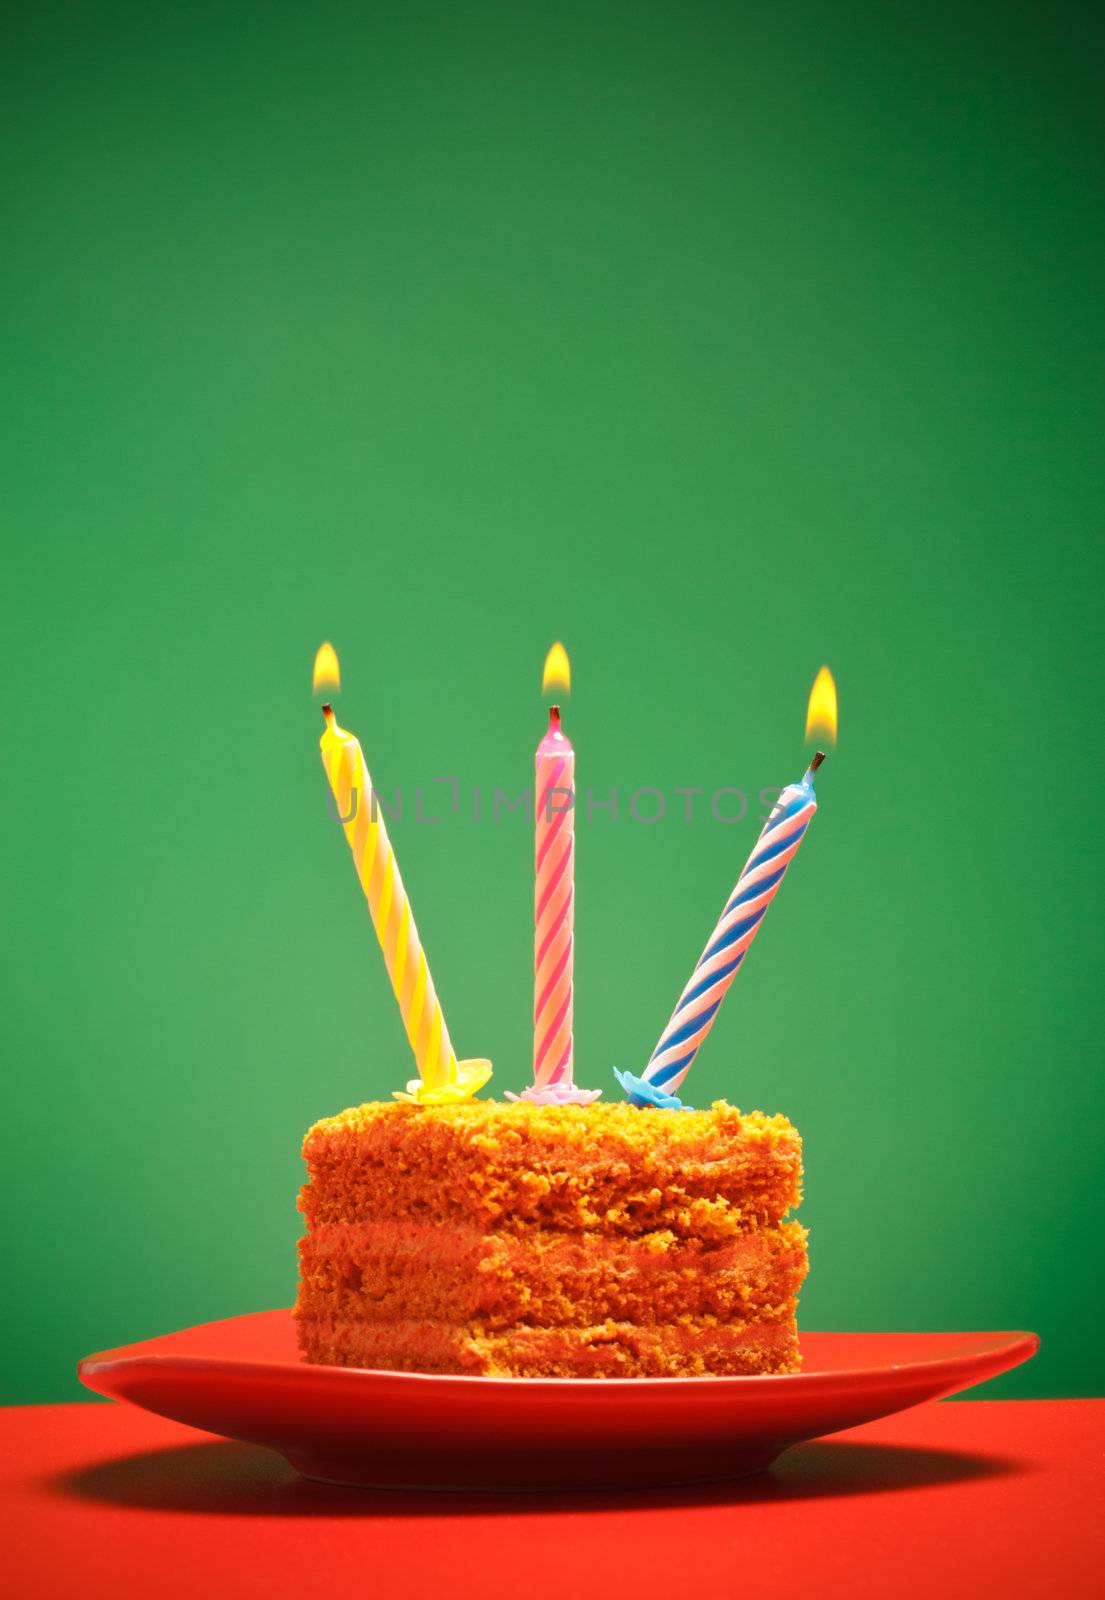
(327, 673)
(558, 671)
(821, 712)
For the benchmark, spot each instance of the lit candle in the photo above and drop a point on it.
(442, 1078)
(554, 907)
(738, 925)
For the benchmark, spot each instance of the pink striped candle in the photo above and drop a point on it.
(554, 918)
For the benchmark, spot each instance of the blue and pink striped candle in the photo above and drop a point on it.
(726, 947)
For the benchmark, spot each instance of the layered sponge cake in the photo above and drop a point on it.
(551, 1241)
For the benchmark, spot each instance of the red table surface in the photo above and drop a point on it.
(990, 1498)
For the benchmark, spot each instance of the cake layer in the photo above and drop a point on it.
(705, 1175)
(688, 1348)
(383, 1272)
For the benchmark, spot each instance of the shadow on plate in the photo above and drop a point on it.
(242, 1479)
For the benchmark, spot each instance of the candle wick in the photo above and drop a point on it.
(554, 718)
(817, 760)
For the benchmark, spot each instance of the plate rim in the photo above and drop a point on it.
(1019, 1343)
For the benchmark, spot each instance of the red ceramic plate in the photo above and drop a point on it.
(243, 1378)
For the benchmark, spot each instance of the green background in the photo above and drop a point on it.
(719, 341)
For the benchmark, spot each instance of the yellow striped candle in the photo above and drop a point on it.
(441, 1077)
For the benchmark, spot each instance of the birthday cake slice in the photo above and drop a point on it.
(551, 1241)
